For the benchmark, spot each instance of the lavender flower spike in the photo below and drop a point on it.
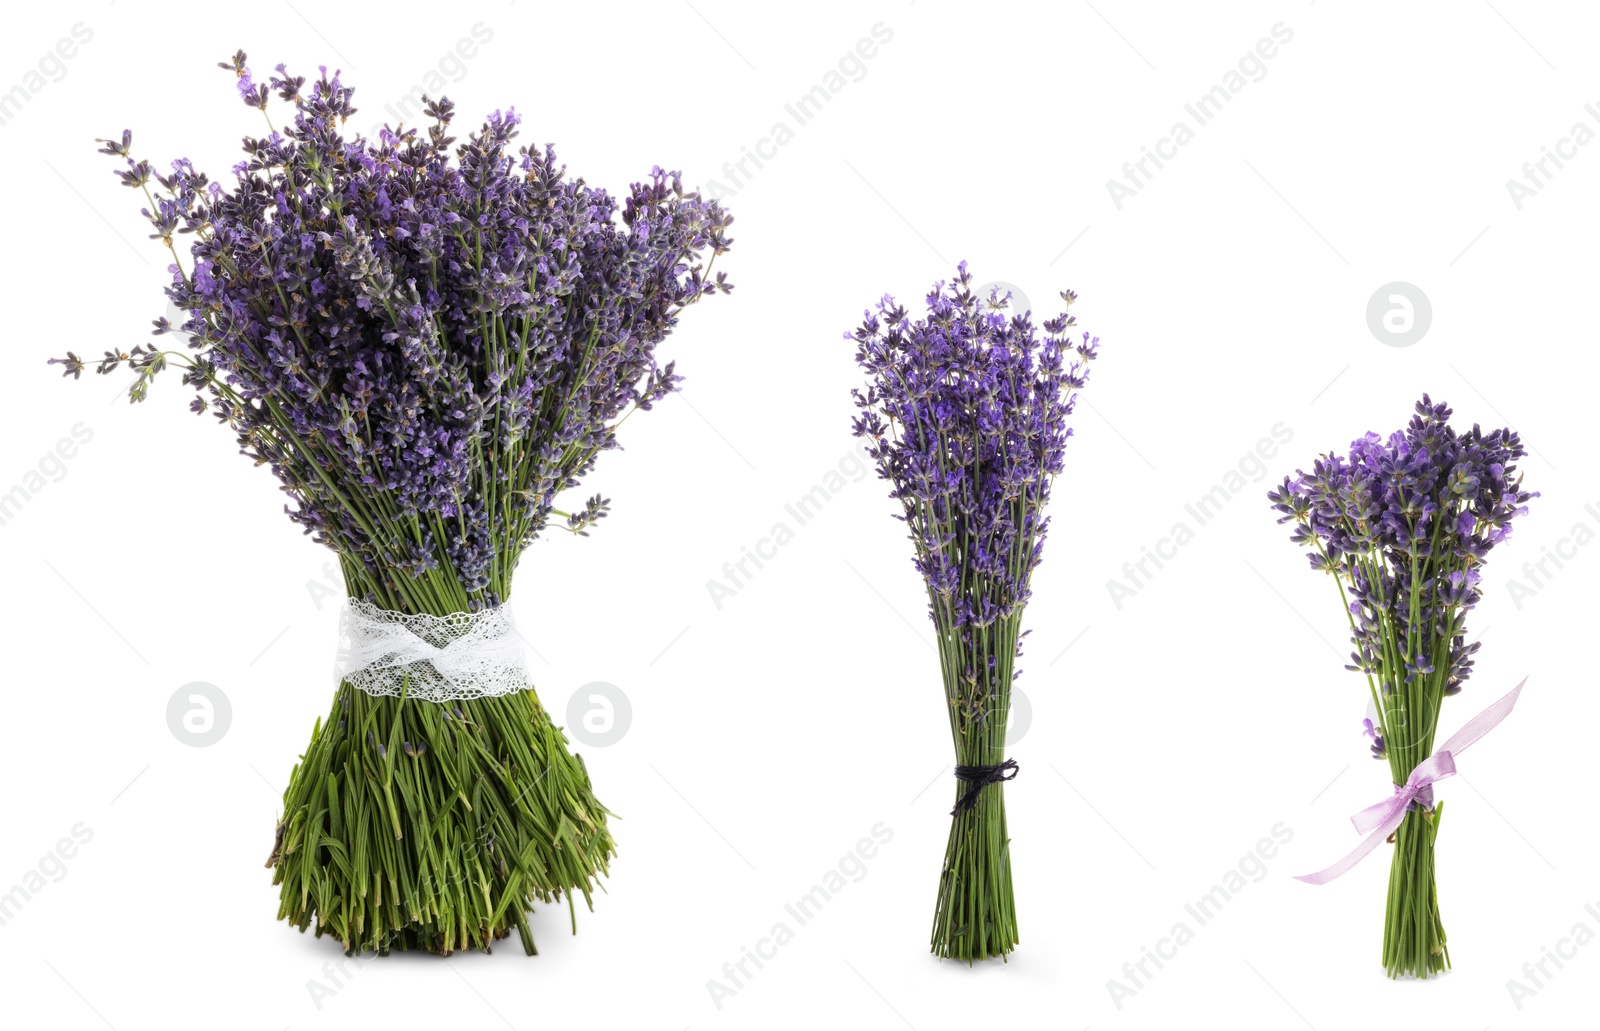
(965, 414)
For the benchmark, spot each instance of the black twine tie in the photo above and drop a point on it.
(978, 776)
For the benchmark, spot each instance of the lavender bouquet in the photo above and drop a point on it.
(965, 415)
(1403, 526)
(426, 352)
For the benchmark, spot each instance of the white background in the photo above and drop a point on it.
(1169, 734)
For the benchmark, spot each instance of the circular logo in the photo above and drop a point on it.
(1404, 732)
(1399, 314)
(176, 317)
(1018, 304)
(599, 714)
(199, 714)
(1021, 717)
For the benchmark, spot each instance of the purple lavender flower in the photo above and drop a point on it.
(425, 351)
(1406, 524)
(965, 414)
(1377, 738)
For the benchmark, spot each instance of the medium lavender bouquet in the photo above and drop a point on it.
(965, 415)
(426, 345)
(1404, 526)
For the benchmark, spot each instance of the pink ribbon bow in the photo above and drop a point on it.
(1381, 820)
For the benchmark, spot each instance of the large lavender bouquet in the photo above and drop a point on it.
(426, 352)
(1404, 526)
(966, 416)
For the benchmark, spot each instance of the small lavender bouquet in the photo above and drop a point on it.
(1403, 526)
(965, 415)
(426, 345)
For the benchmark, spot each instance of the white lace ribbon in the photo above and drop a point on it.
(430, 658)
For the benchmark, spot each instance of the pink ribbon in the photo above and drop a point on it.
(1381, 820)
